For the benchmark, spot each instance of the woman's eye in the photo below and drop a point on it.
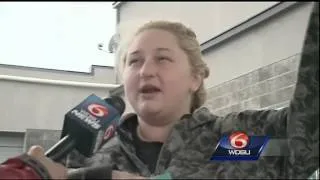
(132, 61)
(161, 58)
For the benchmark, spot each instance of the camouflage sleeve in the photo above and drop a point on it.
(303, 112)
(98, 166)
(76, 162)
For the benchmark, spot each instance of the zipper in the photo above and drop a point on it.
(131, 155)
(178, 123)
(160, 153)
(136, 161)
(159, 157)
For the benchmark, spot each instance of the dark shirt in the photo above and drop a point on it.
(147, 152)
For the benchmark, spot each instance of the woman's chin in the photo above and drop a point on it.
(147, 109)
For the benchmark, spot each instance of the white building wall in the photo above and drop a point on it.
(33, 105)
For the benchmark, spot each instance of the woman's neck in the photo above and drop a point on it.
(152, 133)
(160, 127)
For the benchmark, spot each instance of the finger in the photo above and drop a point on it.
(36, 151)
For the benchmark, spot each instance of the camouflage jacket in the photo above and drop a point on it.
(187, 151)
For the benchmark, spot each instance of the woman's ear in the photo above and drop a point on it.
(196, 82)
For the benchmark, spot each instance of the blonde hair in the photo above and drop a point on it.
(188, 43)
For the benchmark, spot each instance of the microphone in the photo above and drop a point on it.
(85, 125)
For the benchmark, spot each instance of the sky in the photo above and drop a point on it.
(56, 35)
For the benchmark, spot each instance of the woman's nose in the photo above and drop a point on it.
(148, 69)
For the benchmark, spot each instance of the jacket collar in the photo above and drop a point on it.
(129, 122)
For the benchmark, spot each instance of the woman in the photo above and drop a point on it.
(169, 136)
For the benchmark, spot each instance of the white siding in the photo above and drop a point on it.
(10, 145)
(208, 19)
(273, 41)
(39, 106)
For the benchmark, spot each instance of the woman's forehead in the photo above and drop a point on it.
(154, 37)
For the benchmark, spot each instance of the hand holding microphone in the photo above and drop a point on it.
(55, 170)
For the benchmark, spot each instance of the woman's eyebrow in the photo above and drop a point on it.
(163, 49)
(134, 52)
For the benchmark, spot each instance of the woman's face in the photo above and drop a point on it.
(157, 75)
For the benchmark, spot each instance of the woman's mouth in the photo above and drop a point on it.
(149, 89)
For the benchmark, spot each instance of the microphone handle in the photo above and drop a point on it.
(60, 149)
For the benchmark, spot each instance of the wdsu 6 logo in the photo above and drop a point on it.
(239, 146)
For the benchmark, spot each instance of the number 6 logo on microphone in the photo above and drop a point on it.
(239, 140)
(98, 110)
